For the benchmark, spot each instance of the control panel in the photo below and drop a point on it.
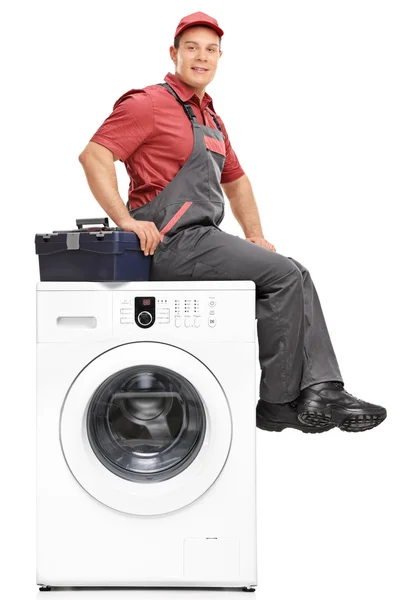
(183, 311)
(170, 311)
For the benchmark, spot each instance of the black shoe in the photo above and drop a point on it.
(329, 403)
(276, 417)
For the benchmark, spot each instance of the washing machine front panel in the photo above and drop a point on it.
(146, 428)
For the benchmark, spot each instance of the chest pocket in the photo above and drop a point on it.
(216, 159)
(215, 145)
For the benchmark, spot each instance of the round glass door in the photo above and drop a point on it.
(146, 428)
(146, 423)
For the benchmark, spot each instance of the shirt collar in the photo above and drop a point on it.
(185, 93)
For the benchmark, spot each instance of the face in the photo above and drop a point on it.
(197, 57)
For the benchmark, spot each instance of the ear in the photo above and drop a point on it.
(173, 52)
(220, 53)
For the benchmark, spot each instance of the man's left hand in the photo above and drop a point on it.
(260, 241)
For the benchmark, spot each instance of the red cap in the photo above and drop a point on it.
(198, 18)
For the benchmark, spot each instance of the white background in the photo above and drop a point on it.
(309, 93)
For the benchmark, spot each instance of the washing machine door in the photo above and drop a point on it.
(146, 428)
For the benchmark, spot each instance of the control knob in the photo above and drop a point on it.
(145, 318)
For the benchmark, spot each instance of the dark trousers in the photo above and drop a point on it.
(295, 349)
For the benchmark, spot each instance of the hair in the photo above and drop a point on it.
(178, 37)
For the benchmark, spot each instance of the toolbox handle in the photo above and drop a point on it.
(102, 221)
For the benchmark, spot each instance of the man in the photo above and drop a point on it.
(180, 161)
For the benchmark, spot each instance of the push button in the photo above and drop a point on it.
(212, 321)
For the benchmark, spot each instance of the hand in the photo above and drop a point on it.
(147, 233)
(260, 241)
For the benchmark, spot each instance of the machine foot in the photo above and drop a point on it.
(45, 588)
(248, 589)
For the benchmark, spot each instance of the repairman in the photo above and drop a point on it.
(180, 162)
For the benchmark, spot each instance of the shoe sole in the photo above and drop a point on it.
(346, 420)
(271, 426)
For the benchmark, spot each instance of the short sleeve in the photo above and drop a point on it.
(232, 169)
(129, 125)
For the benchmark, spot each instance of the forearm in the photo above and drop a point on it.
(244, 207)
(102, 179)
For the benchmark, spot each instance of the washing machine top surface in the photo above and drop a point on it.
(144, 285)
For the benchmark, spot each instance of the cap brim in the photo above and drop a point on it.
(216, 29)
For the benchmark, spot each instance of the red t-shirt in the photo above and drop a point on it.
(149, 131)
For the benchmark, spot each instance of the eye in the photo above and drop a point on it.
(212, 49)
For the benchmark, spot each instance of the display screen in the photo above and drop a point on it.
(145, 303)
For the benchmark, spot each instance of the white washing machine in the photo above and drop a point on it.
(146, 434)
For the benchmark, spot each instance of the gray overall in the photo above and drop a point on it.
(295, 349)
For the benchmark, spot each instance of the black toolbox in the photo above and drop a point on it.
(91, 254)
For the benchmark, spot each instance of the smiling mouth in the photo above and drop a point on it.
(199, 69)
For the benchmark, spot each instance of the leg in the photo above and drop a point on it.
(323, 402)
(211, 254)
(319, 359)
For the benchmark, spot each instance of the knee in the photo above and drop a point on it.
(301, 269)
(284, 273)
(291, 268)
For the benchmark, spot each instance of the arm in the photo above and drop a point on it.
(243, 205)
(237, 188)
(98, 164)
(245, 211)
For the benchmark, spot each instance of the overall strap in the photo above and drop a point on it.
(186, 107)
(215, 119)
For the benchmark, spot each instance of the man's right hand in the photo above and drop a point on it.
(147, 233)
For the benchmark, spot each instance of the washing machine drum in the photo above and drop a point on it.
(146, 423)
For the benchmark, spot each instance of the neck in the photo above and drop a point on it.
(198, 91)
